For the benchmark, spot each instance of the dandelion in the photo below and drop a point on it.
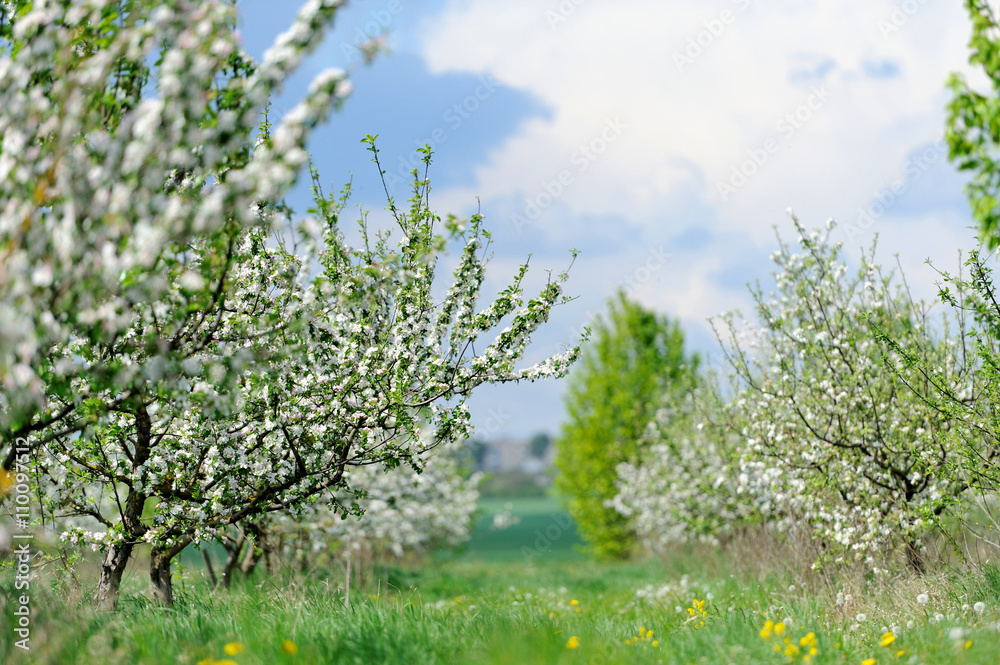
(968, 644)
(899, 654)
(887, 639)
(861, 618)
(868, 661)
(923, 599)
(574, 602)
(767, 630)
(573, 642)
(233, 648)
(779, 628)
(979, 607)
(289, 647)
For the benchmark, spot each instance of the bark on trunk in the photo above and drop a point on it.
(209, 567)
(159, 576)
(242, 560)
(915, 558)
(159, 571)
(106, 597)
(117, 556)
(232, 561)
(252, 557)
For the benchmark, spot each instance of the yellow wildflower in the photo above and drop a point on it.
(868, 661)
(289, 647)
(968, 644)
(233, 648)
(573, 642)
(779, 628)
(6, 482)
(767, 630)
(887, 639)
(574, 602)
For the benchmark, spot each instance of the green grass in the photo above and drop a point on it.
(498, 609)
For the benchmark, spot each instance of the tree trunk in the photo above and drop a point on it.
(208, 566)
(106, 597)
(257, 542)
(159, 571)
(116, 559)
(234, 548)
(159, 576)
(915, 558)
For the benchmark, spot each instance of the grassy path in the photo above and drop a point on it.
(488, 605)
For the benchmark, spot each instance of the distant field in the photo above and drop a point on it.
(540, 529)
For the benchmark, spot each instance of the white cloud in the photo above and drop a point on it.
(616, 60)
(688, 126)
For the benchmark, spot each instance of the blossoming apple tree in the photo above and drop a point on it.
(170, 352)
(114, 174)
(409, 510)
(833, 437)
(684, 488)
(125, 185)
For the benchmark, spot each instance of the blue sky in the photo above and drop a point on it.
(665, 140)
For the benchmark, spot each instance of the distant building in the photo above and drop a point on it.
(512, 455)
